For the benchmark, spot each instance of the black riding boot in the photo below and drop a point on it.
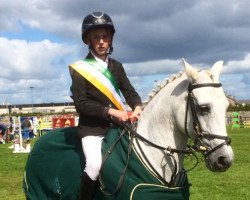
(87, 188)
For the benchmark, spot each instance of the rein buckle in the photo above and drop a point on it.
(202, 148)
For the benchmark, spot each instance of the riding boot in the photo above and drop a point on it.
(88, 187)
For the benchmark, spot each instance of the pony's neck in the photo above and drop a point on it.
(158, 125)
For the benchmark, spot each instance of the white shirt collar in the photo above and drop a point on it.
(103, 63)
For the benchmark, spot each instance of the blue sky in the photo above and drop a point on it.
(30, 34)
(39, 39)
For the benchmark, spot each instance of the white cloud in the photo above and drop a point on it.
(238, 66)
(165, 66)
(42, 65)
(150, 40)
(22, 59)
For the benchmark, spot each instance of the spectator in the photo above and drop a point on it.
(3, 132)
(27, 129)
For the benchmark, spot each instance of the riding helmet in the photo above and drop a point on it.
(96, 20)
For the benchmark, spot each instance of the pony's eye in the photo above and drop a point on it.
(204, 109)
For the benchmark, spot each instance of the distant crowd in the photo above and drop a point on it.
(10, 132)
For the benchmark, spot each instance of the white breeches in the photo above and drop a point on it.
(92, 149)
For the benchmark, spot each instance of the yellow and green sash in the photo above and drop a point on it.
(101, 78)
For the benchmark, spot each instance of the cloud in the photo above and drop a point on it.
(238, 66)
(150, 40)
(198, 30)
(22, 59)
(154, 67)
(42, 65)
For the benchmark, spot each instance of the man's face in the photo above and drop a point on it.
(100, 40)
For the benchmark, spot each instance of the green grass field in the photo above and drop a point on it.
(231, 185)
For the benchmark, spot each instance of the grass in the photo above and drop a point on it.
(11, 173)
(231, 185)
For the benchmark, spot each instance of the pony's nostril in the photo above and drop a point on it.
(222, 160)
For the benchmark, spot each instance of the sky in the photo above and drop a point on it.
(40, 38)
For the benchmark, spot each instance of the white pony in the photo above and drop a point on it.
(149, 165)
(164, 122)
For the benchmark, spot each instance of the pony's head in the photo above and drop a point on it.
(205, 118)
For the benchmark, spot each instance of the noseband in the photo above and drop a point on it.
(200, 133)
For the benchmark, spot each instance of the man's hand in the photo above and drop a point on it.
(120, 115)
(136, 114)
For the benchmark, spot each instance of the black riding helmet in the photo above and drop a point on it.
(96, 20)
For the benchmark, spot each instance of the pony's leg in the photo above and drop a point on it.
(88, 187)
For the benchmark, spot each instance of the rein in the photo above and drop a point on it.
(121, 179)
(134, 135)
(201, 134)
(169, 149)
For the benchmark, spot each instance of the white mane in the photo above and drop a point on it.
(159, 87)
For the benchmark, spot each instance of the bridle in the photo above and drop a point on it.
(199, 132)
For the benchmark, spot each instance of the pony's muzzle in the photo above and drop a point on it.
(220, 164)
(223, 162)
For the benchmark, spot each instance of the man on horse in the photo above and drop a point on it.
(97, 84)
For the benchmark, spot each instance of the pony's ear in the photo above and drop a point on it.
(191, 72)
(216, 70)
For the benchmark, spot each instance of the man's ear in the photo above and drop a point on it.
(87, 40)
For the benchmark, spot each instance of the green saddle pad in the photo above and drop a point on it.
(55, 164)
